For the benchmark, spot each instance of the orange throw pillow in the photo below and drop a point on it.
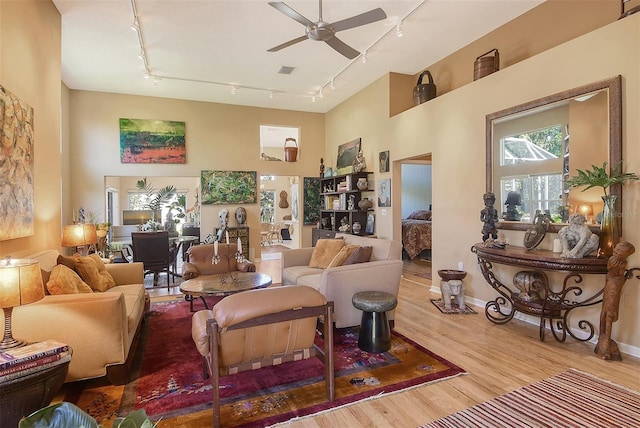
(93, 271)
(324, 251)
(65, 281)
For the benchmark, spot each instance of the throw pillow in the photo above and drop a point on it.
(420, 215)
(93, 271)
(343, 255)
(65, 281)
(45, 278)
(69, 262)
(324, 251)
(361, 255)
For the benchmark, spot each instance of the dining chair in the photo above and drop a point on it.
(154, 251)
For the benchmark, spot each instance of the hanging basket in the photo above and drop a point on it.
(290, 152)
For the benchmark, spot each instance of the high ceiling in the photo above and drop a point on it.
(205, 50)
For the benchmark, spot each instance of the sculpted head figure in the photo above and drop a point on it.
(223, 215)
(241, 216)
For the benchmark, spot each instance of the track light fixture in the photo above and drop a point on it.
(363, 56)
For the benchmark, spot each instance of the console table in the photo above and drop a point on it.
(531, 292)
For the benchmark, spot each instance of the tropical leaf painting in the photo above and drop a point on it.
(228, 187)
(311, 200)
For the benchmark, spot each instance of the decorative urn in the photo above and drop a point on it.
(362, 184)
(365, 204)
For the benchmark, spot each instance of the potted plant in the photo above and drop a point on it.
(599, 177)
(156, 199)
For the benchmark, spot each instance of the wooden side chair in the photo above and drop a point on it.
(154, 251)
(264, 327)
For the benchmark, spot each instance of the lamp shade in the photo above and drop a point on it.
(20, 282)
(586, 209)
(79, 235)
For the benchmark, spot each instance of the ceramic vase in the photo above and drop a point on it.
(365, 204)
(362, 184)
(609, 232)
(356, 228)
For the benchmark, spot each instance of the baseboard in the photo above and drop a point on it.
(627, 349)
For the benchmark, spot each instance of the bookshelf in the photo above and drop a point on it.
(339, 204)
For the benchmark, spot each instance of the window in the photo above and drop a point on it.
(140, 201)
(538, 192)
(267, 206)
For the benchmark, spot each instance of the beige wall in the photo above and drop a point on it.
(452, 128)
(30, 68)
(219, 137)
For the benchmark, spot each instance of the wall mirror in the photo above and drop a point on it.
(535, 147)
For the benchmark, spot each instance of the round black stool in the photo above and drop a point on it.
(375, 335)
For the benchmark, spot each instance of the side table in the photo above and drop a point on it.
(375, 334)
(24, 395)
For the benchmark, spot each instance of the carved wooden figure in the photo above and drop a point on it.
(607, 348)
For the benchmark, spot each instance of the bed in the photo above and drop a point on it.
(416, 233)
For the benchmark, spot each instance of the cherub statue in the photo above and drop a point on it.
(489, 216)
(577, 239)
(344, 226)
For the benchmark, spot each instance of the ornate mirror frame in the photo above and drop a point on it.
(614, 89)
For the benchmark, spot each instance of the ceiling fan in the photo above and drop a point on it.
(325, 31)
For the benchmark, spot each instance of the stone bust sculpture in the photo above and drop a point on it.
(577, 239)
(241, 216)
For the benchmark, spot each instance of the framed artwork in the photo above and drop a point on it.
(310, 200)
(347, 152)
(152, 141)
(383, 161)
(371, 221)
(229, 187)
(384, 192)
(16, 168)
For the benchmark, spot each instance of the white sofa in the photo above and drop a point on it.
(100, 327)
(339, 284)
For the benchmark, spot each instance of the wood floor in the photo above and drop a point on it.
(498, 358)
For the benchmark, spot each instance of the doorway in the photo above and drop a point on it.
(279, 228)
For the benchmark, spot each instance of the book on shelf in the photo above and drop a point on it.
(61, 358)
(343, 202)
(33, 351)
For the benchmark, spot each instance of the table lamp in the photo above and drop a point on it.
(80, 236)
(20, 284)
(587, 211)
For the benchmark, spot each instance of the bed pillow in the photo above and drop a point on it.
(324, 252)
(420, 215)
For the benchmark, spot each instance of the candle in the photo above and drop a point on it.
(557, 246)
(215, 247)
(239, 245)
(227, 232)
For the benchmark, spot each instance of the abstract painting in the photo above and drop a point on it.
(311, 200)
(347, 153)
(229, 187)
(152, 141)
(16, 167)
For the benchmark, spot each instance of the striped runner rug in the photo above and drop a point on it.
(569, 399)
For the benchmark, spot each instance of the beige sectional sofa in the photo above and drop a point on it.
(340, 283)
(100, 327)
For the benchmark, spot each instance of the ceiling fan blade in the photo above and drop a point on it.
(287, 44)
(358, 20)
(287, 10)
(342, 47)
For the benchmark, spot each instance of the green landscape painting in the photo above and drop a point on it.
(229, 187)
(152, 141)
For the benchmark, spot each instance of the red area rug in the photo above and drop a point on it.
(169, 381)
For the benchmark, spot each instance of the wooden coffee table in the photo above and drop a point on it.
(212, 285)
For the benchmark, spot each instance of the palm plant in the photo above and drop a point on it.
(598, 177)
(156, 199)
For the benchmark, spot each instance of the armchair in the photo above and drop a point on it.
(244, 331)
(200, 261)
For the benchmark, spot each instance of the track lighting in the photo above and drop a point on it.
(364, 57)
(399, 32)
(321, 93)
(234, 89)
(333, 84)
(136, 25)
(313, 98)
(272, 94)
